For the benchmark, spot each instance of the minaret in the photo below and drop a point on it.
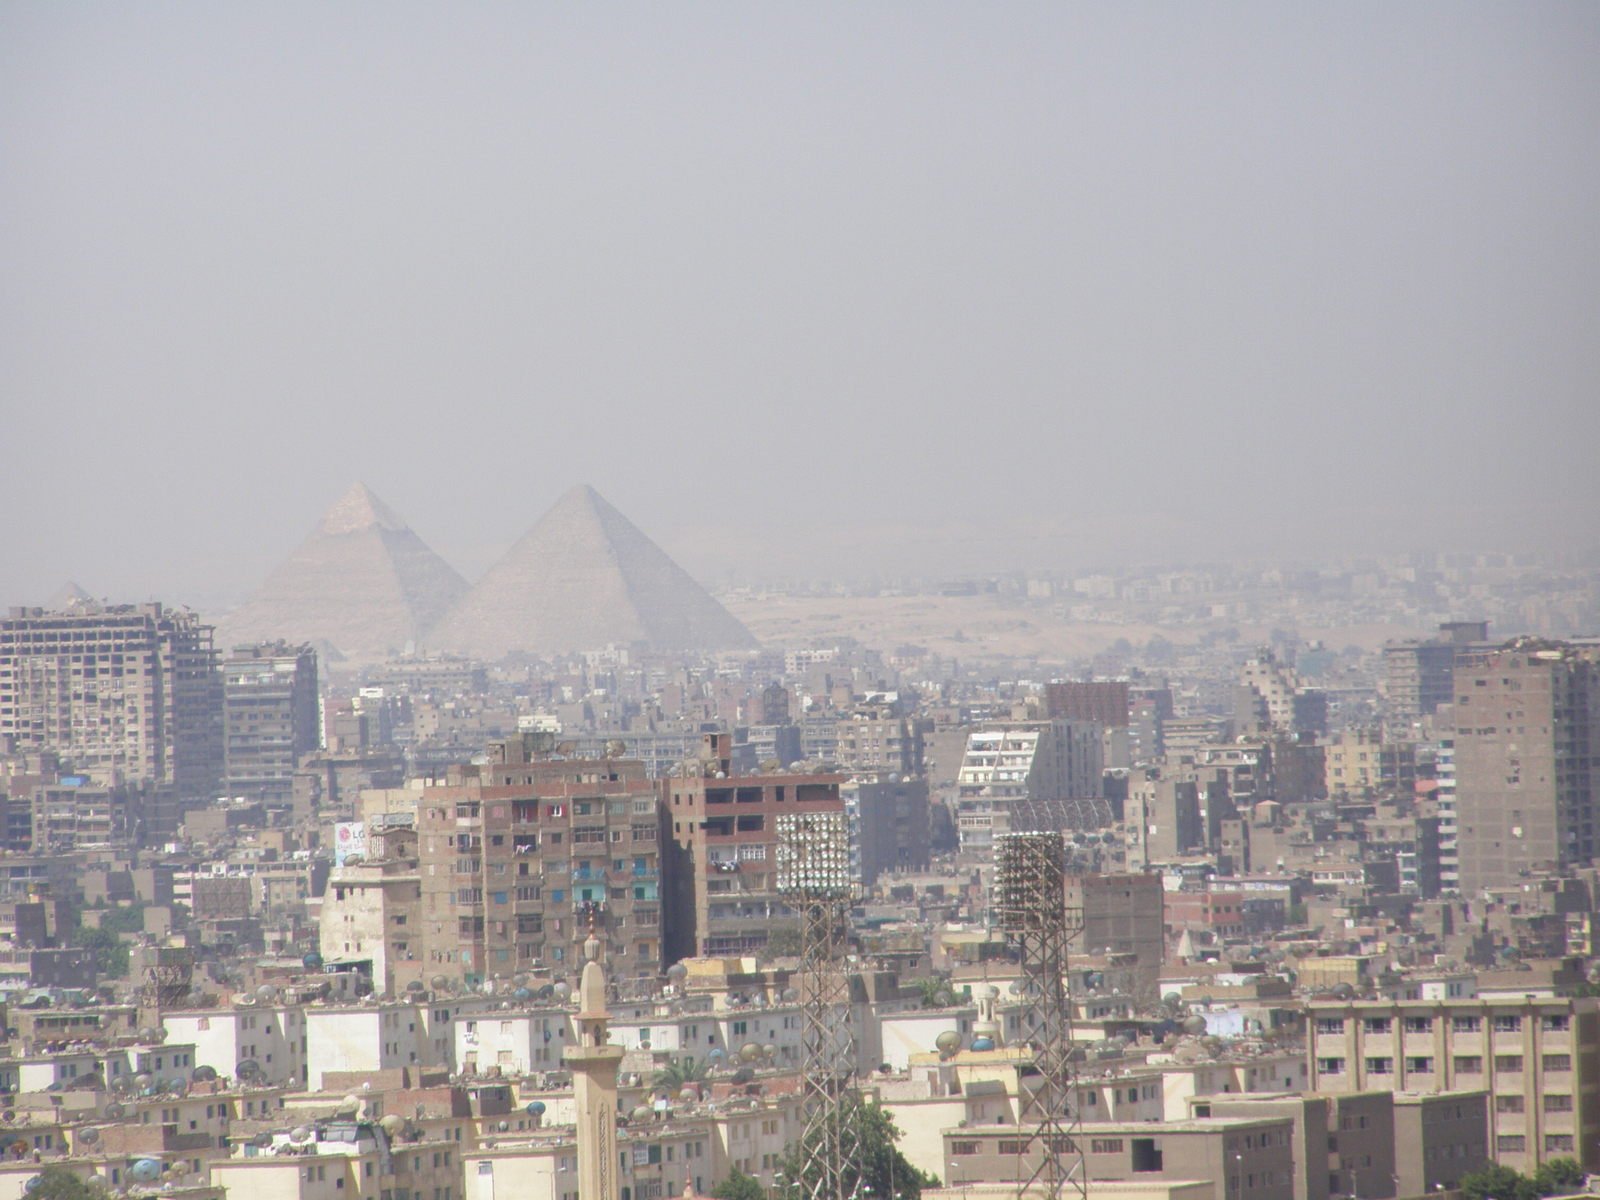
(594, 1066)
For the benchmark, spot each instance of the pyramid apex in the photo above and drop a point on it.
(359, 509)
(580, 493)
(68, 596)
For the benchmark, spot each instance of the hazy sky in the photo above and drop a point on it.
(797, 285)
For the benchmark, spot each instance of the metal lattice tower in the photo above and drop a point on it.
(1030, 909)
(813, 860)
(168, 979)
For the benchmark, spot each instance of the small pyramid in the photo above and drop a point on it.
(362, 582)
(69, 596)
(585, 577)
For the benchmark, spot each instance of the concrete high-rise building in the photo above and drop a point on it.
(1527, 745)
(1418, 673)
(1360, 763)
(722, 872)
(890, 824)
(879, 739)
(1163, 816)
(523, 857)
(127, 693)
(1444, 773)
(1020, 775)
(270, 718)
(1274, 685)
(1119, 914)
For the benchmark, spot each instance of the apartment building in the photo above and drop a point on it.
(1538, 1058)
(1253, 1157)
(521, 862)
(1527, 745)
(271, 717)
(517, 1043)
(722, 879)
(273, 1036)
(366, 1039)
(1359, 763)
(371, 921)
(1419, 674)
(1028, 775)
(1439, 1139)
(890, 824)
(1118, 914)
(345, 1158)
(879, 740)
(132, 692)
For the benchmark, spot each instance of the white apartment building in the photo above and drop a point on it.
(1006, 764)
(273, 1036)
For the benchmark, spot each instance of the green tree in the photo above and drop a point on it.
(58, 1183)
(681, 1071)
(739, 1186)
(1496, 1182)
(885, 1172)
(110, 952)
(934, 991)
(783, 941)
(1557, 1176)
(126, 918)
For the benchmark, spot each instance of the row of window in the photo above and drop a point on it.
(1516, 1143)
(1465, 1064)
(1554, 1102)
(1550, 1023)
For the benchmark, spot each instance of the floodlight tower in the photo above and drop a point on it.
(813, 860)
(1030, 909)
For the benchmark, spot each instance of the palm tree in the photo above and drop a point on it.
(681, 1071)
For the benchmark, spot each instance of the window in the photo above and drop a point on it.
(1330, 1066)
(1377, 1024)
(1380, 1066)
(1508, 1063)
(1557, 1062)
(1557, 1142)
(1508, 1104)
(1557, 1024)
(1105, 1146)
(1555, 1102)
(1419, 1025)
(1421, 1065)
(1508, 1024)
(1146, 1155)
(963, 1149)
(1469, 1064)
(1466, 1024)
(1330, 1024)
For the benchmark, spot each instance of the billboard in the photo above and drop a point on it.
(349, 841)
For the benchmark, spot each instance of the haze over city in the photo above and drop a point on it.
(820, 291)
(799, 602)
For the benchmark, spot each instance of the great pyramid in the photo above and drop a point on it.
(362, 583)
(584, 577)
